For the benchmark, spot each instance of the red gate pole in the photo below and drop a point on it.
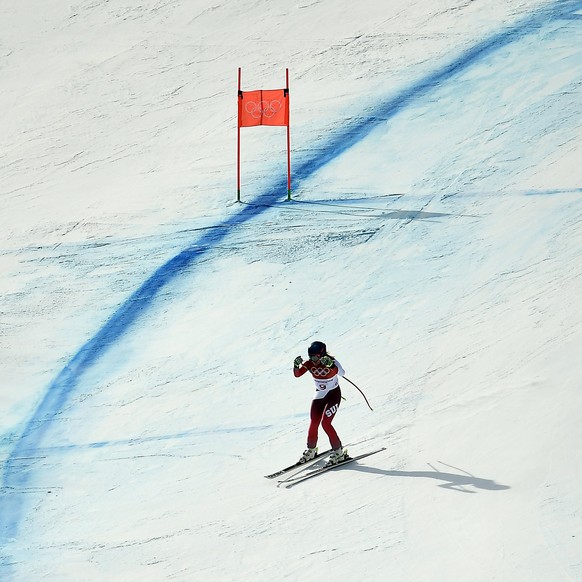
(288, 140)
(238, 139)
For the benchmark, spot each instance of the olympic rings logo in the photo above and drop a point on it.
(319, 372)
(258, 109)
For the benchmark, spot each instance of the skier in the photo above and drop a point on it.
(325, 370)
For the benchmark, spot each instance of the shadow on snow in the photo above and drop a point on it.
(14, 476)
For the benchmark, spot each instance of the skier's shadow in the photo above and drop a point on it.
(455, 481)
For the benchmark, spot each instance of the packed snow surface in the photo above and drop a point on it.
(148, 321)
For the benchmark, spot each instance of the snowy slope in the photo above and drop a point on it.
(148, 322)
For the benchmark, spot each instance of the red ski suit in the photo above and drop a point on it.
(326, 400)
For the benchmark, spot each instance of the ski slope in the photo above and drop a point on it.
(148, 322)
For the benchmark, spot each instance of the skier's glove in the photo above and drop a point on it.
(327, 361)
(298, 362)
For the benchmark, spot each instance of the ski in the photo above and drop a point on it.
(297, 465)
(287, 483)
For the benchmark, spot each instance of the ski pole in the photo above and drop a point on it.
(360, 393)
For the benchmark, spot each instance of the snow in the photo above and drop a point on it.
(148, 322)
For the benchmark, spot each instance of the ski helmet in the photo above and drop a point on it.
(317, 349)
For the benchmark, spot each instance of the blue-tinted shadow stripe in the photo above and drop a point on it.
(14, 477)
(388, 109)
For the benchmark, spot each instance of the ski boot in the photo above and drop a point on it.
(308, 455)
(337, 456)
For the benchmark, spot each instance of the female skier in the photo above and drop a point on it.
(325, 370)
